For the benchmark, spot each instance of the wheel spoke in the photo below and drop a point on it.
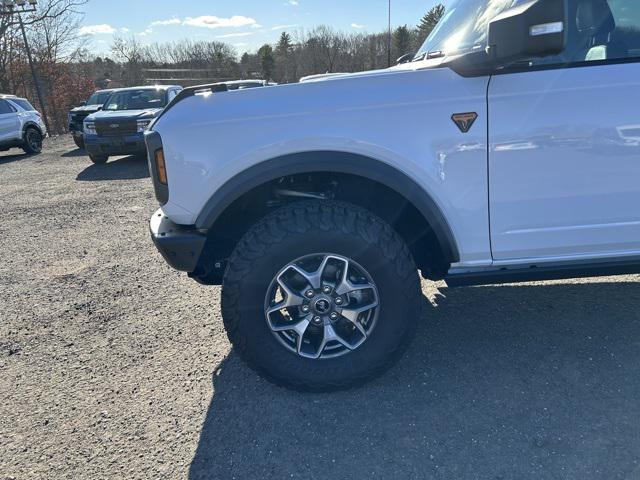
(301, 329)
(323, 266)
(346, 286)
(330, 335)
(353, 314)
(292, 299)
(304, 274)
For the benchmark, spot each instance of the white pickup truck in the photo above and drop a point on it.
(508, 150)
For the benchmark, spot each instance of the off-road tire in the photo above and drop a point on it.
(305, 228)
(32, 141)
(99, 159)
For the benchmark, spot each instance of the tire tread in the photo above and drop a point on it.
(305, 217)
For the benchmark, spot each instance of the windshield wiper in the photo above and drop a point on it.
(429, 55)
(419, 57)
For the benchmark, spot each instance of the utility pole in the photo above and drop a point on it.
(17, 7)
(34, 75)
(390, 37)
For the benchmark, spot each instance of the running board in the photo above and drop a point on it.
(537, 274)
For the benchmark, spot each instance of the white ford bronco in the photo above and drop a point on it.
(508, 150)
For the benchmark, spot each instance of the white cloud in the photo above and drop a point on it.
(233, 35)
(125, 30)
(292, 3)
(282, 27)
(357, 26)
(208, 21)
(103, 29)
(171, 21)
(147, 31)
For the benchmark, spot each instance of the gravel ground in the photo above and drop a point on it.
(114, 366)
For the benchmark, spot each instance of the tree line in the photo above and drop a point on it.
(67, 71)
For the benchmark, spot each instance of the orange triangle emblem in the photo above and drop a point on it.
(465, 121)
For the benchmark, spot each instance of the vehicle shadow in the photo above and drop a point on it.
(505, 382)
(12, 156)
(126, 168)
(78, 152)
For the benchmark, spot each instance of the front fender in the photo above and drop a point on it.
(335, 162)
(399, 119)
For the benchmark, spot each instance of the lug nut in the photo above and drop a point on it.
(326, 289)
(339, 301)
(317, 320)
(333, 316)
(310, 293)
(305, 308)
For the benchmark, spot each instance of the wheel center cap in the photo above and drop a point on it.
(322, 306)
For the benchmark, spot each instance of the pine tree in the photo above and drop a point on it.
(283, 58)
(267, 62)
(429, 22)
(402, 41)
(284, 44)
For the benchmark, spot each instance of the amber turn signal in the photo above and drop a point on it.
(160, 166)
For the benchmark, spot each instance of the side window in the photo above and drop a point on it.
(5, 107)
(626, 34)
(600, 30)
(172, 95)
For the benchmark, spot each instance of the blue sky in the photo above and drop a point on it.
(246, 24)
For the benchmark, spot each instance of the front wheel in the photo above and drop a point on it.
(79, 141)
(321, 296)
(32, 141)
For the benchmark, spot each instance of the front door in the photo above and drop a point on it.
(564, 160)
(9, 123)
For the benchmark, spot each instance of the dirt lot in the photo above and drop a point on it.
(114, 366)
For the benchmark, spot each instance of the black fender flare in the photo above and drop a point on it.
(334, 162)
(30, 124)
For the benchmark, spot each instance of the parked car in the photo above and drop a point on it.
(21, 125)
(78, 114)
(117, 129)
(506, 151)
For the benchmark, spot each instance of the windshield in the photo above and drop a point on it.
(464, 26)
(136, 100)
(98, 98)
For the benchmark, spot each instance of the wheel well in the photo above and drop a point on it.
(381, 200)
(29, 125)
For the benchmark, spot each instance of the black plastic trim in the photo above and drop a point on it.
(479, 64)
(181, 246)
(333, 162)
(542, 273)
(154, 143)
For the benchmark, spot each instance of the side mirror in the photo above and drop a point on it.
(406, 58)
(536, 28)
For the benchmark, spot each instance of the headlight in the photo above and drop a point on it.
(142, 125)
(90, 128)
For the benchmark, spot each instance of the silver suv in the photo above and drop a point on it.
(21, 125)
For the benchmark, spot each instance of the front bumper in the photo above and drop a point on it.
(181, 246)
(127, 145)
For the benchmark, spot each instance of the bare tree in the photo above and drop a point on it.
(52, 34)
(47, 9)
